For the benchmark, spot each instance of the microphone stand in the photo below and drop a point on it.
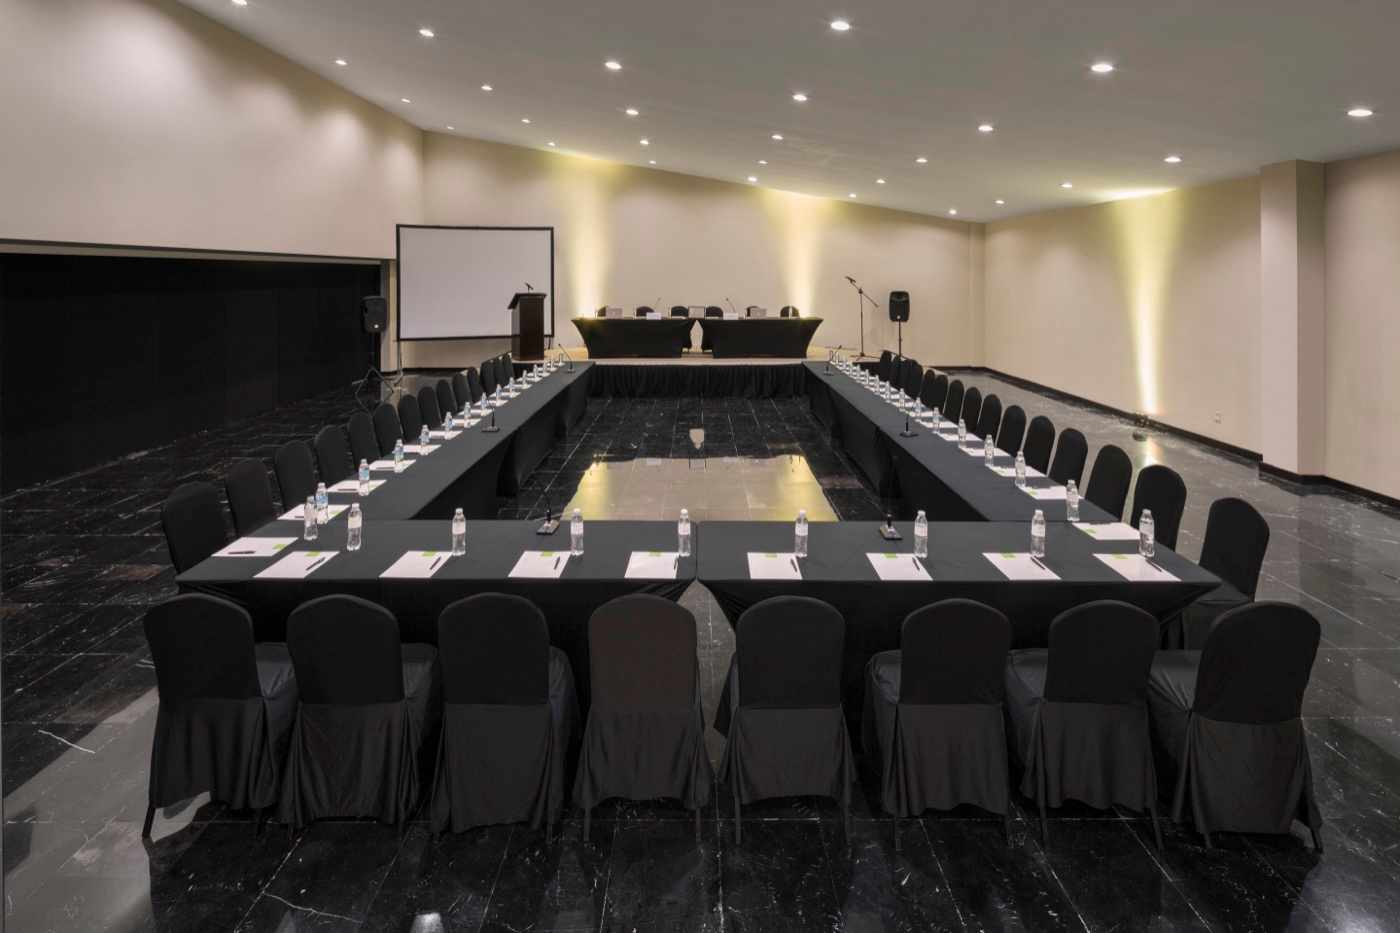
(565, 350)
(862, 298)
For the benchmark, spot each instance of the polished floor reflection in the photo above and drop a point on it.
(80, 560)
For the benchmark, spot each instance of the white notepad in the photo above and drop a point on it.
(1111, 531)
(1137, 568)
(416, 565)
(297, 565)
(254, 547)
(353, 485)
(975, 450)
(771, 566)
(894, 567)
(540, 565)
(444, 435)
(653, 565)
(420, 449)
(1010, 472)
(1020, 567)
(382, 465)
(1045, 493)
(298, 514)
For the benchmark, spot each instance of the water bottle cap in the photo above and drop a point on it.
(578, 514)
(921, 514)
(364, 463)
(685, 513)
(1146, 515)
(1039, 515)
(801, 513)
(457, 513)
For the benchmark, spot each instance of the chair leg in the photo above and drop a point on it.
(738, 828)
(150, 818)
(587, 822)
(1316, 838)
(698, 835)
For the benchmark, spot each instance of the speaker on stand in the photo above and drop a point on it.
(374, 315)
(899, 313)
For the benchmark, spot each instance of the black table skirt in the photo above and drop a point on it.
(631, 336)
(739, 380)
(764, 336)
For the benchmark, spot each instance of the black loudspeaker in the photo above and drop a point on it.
(899, 306)
(375, 309)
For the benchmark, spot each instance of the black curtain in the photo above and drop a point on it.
(106, 355)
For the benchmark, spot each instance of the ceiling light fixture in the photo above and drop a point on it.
(644, 141)
(851, 195)
(524, 119)
(451, 127)
(800, 97)
(651, 161)
(631, 111)
(1102, 68)
(1000, 201)
(879, 181)
(613, 64)
(1066, 184)
(753, 178)
(341, 62)
(953, 211)
(762, 161)
(488, 88)
(777, 137)
(550, 144)
(240, 2)
(427, 33)
(841, 25)
(1172, 159)
(1360, 113)
(922, 160)
(986, 128)
(405, 100)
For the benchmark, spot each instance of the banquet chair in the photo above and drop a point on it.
(1013, 430)
(226, 706)
(710, 311)
(193, 524)
(509, 716)
(1040, 438)
(952, 404)
(368, 712)
(913, 378)
(680, 311)
(990, 419)
(387, 430)
(645, 733)
(409, 417)
(882, 368)
(428, 408)
(447, 399)
(934, 718)
(249, 496)
(505, 367)
(1227, 720)
(788, 311)
(644, 310)
(787, 733)
(461, 390)
(1109, 480)
(601, 312)
(972, 408)
(934, 391)
(1237, 537)
(363, 444)
(332, 454)
(295, 467)
(488, 376)
(1078, 711)
(1070, 454)
(1160, 489)
(474, 384)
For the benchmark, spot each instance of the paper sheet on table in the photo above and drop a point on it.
(540, 565)
(893, 567)
(770, 566)
(976, 449)
(1111, 531)
(297, 565)
(1010, 471)
(1137, 568)
(420, 449)
(1020, 567)
(254, 547)
(298, 514)
(388, 465)
(444, 435)
(416, 565)
(1045, 493)
(652, 565)
(353, 485)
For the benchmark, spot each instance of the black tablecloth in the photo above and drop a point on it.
(838, 571)
(492, 550)
(925, 471)
(633, 336)
(687, 380)
(760, 336)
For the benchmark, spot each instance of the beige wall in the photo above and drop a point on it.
(142, 122)
(631, 236)
(1147, 305)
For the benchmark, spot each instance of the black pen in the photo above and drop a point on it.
(239, 553)
(1041, 564)
(317, 563)
(793, 561)
(677, 566)
(433, 565)
(556, 563)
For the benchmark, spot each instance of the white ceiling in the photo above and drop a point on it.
(1228, 84)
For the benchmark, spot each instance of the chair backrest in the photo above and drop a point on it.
(1100, 652)
(1236, 538)
(202, 648)
(1161, 489)
(644, 310)
(788, 311)
(989, 421)
(488, 377)
(789, 651)
(680, 311)
(1040, 440)
(505, 367)
(363, 444)
(714, 311)
(953, 402)
(882, 368)
(447, 400)
(295, 467)
(494, 650)
(601, 312)
(912, 378)
(929, 389)
(1255, 664)
(332, 454)
(972, 407)
(410, 420)
(249, 495)
(1109, 480)
(641, 654)
(1013, 431)
(345, 650)
(193, 524)
(428, 408)
(387, 430)
(954, 651)
(461, 390)
(1070, 453)
(474, 384)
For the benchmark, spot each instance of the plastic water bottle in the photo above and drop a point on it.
(1038, 534)
(364, 477)
(1147, 538)
(310, 528)
(937, 416)
(354, 529)
(683, 533)
(1072, 501)
(447, 421)
(576, 534)
(799, 534)
(398, 455)
(424, 436)
(989, 449)
(1020, 469)
(459, 533)
(496, 399)
(962, 433)
(323, 504)
(921, 534)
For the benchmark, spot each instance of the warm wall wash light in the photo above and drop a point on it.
(840, 25)
(612, 65)
(1360, 112)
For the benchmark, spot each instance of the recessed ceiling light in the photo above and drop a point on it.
(1101, 68)
(922, 160)
(762, 161)
(953, 211)
(524, 119)
(1172, 159)
(851, 195)
(986, 128)
(341, 62)
(1360, 112)
(800, 97)
(777, 137)
(487, 87)
(879, 181)
(240, 2)
(644, 141)
(753, 178)
(631, 111)
(426, 33)
(451, 127)
(651, 161)
(1000, 201)
(405, 100)
(613, 64)
(550, 144)
(1066, 184)
(841, 25)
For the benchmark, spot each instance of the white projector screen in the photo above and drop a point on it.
(456, 282)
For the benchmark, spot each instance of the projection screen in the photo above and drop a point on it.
(455, 282)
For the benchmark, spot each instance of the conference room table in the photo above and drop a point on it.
(610, 338)
(929, 471)
(838, 571)
(787, 337)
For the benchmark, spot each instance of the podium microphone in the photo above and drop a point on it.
(529, 287)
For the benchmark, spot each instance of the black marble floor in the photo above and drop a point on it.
(81, 558)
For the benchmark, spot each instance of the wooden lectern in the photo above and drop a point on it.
(527, 326)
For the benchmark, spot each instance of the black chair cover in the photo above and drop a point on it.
(1226, 720)
(644, 310)
(788, 311)
(363, 444)
(505, 368)
(387, 430)
(1078, 710)
(714, 311)
(1109, 479)
(1236, 539)
(912, 378)
(410, 420)
(680, 311)
(193, 524)
(1161, 490)
(474, 384)
(332, 455)
(488, 376)
(461, 390)
(989, 421)
(972, 408)
(249, 496)
(787, 729)
(601, 312)
(710, 311)
(509, 716)
(953, 403)
(226, 705)
(1013, 432)
(882, 368)
(645, 733)
(934, 391)
(295, 467)
(428, 408)
(368, 711)
(447, 401)
(934, 720)
(1040, 438)
(1070, 454)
